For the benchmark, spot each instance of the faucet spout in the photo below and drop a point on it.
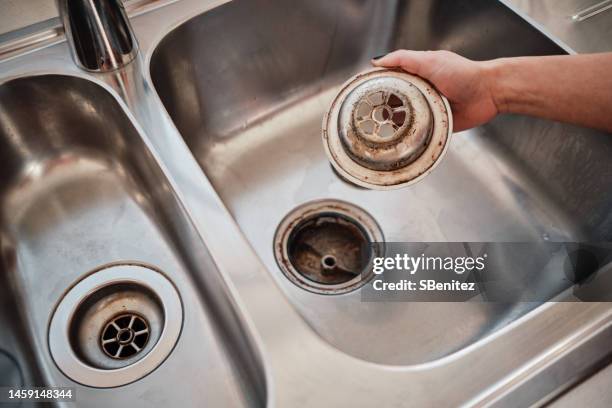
(99, 34)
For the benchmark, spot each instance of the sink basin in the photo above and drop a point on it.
(81, 190)
(247, 85)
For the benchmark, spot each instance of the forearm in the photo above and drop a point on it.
(575, 89)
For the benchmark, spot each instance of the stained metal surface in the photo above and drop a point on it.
(329, 249)
(326, 246)
(386, 129)
(248, 102)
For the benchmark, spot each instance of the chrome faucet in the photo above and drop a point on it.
(98, 33)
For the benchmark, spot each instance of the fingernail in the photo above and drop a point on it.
(378, 57)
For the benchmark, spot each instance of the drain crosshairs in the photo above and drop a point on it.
(124, 336)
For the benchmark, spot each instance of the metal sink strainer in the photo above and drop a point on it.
(124, 336)
(386, 129)
(116, 325)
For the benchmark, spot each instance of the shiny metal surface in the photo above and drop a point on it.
(212, 135)
(99, 33)
(592, 11)
(10, 372)
(81, 189)
(593, 393)
(478, 193)
(556, 16)
(17, 14)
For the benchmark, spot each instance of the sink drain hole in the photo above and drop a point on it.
(116, 325)
(329, 248)
(328, 263)
(326, 246)
(124, 336)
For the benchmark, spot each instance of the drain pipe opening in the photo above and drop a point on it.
(326, 246)
(328, 263)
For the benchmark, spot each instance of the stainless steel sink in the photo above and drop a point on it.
(80, 190)
(247, 86)
(185, 162)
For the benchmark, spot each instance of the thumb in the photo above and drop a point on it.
(410, 61)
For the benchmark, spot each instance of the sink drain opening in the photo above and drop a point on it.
(329, 248)
(326, 246)
(116, 325)
(124, 336)
(328, 263)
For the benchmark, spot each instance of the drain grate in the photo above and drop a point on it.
(124, 336)
(381, 115)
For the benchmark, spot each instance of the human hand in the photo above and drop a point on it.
(464, 82)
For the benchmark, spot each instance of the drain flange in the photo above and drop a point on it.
(116, 325)
(327, 246)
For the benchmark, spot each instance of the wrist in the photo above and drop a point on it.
(493, 73)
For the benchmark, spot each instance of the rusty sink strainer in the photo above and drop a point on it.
(386, 129)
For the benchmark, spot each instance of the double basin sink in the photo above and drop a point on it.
(186, 162)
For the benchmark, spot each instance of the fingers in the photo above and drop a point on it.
(410, 61)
